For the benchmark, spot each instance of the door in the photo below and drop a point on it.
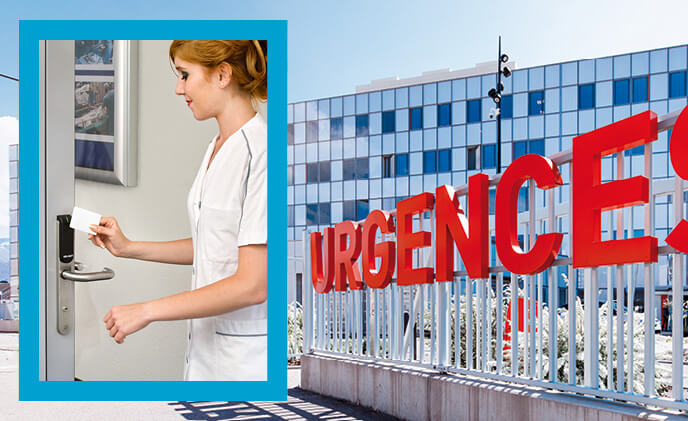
(59, 271)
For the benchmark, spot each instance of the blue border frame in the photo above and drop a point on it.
(30, 388)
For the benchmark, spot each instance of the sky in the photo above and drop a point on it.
(335, 46)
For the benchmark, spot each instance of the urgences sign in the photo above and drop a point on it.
(334, 262)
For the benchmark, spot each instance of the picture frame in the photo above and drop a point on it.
(106, 109)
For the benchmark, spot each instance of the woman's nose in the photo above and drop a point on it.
(179, 89)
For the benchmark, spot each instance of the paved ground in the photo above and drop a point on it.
(302, 405)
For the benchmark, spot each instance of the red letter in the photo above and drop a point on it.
(678, 149)
(591, 197)
(345, 258)
(545, 248)
(471, 237)
(407, 240)
(322, 284)
(385, 250)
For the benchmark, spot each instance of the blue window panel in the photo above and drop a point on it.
(401, 164)
(536, 103)
(388, 122)
(677, 84)
(473, 111)
(324, 170)
(349, 105)
(388, 99)
(638, 150)
(537, 147)
(520, 149)
(489, 156)
(586, 96)
(523, 200)
(349, 210)
(362, 167)
(429, 162)
(507, 106)
(312, 173)
(312, 214)
(349, 169)
(290, 134)
(622, 66)
(325, 210)
(429, 93)
(362, 125)
(336, 107)
(444, 115)
(640, 89)
(621, 92)
(311, 131)
(444, 160)
(362, 209)
(401, 95)
(416, 118)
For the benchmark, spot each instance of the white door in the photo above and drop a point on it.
(58, 273)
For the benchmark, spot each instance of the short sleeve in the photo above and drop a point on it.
(254, 217)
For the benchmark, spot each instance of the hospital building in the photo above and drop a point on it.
(395, 138)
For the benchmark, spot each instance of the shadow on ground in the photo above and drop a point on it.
(302, 405)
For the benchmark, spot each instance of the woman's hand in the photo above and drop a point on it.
(125, 320)
(109, 235)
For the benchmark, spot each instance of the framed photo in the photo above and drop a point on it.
(105, 111)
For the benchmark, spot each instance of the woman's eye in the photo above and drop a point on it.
(185, 75)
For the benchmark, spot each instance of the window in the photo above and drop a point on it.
(324, 213)
(388, 122)
(362, 209)
(677, 84)
(416, 118)
(429, 162)
(362, 125)
(324, 171)
(528, 146)
(290, 216)
(520, 149)
(290, 175)
(349, 210)
(336, 128)
(444, 160)
(536, 103)
(586, 96)
(507, 106)
(444, 115)
(640, 89)
(362, 168)
(638, 150)
(622, 91)
(311, 131)
(318, 172)
(312, 173)
(523, 200)
(290, 134)
(387, 170)
(349, 169)
(489, 156)
(473, 111)
(312, 214)
(401, 164)
(537, 147)
(472, 157)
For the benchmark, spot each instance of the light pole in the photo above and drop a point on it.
(496, 95)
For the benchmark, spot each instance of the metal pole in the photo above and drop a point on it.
(499, 108)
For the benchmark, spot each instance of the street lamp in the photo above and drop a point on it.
(496, 95)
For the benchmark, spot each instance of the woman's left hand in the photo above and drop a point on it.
(125, 320)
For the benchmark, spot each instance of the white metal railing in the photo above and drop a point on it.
(470, 326)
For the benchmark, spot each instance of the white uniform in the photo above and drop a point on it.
(227, 209)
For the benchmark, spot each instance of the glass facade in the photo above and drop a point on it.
(369, 150)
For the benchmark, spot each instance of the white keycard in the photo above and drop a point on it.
(82, 219)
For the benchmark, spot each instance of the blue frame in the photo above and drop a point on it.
(30, 388)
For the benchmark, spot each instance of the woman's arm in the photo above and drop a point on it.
(248, 286)
(110, 236)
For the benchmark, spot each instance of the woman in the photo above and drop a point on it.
(227, 208)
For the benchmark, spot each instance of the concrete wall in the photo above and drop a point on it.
(418, 394)
(171, 146)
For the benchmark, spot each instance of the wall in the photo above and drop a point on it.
(171, 147)
(422, 394)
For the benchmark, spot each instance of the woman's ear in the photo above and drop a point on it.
(224, 74)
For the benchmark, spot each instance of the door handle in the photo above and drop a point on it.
(106, 273)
